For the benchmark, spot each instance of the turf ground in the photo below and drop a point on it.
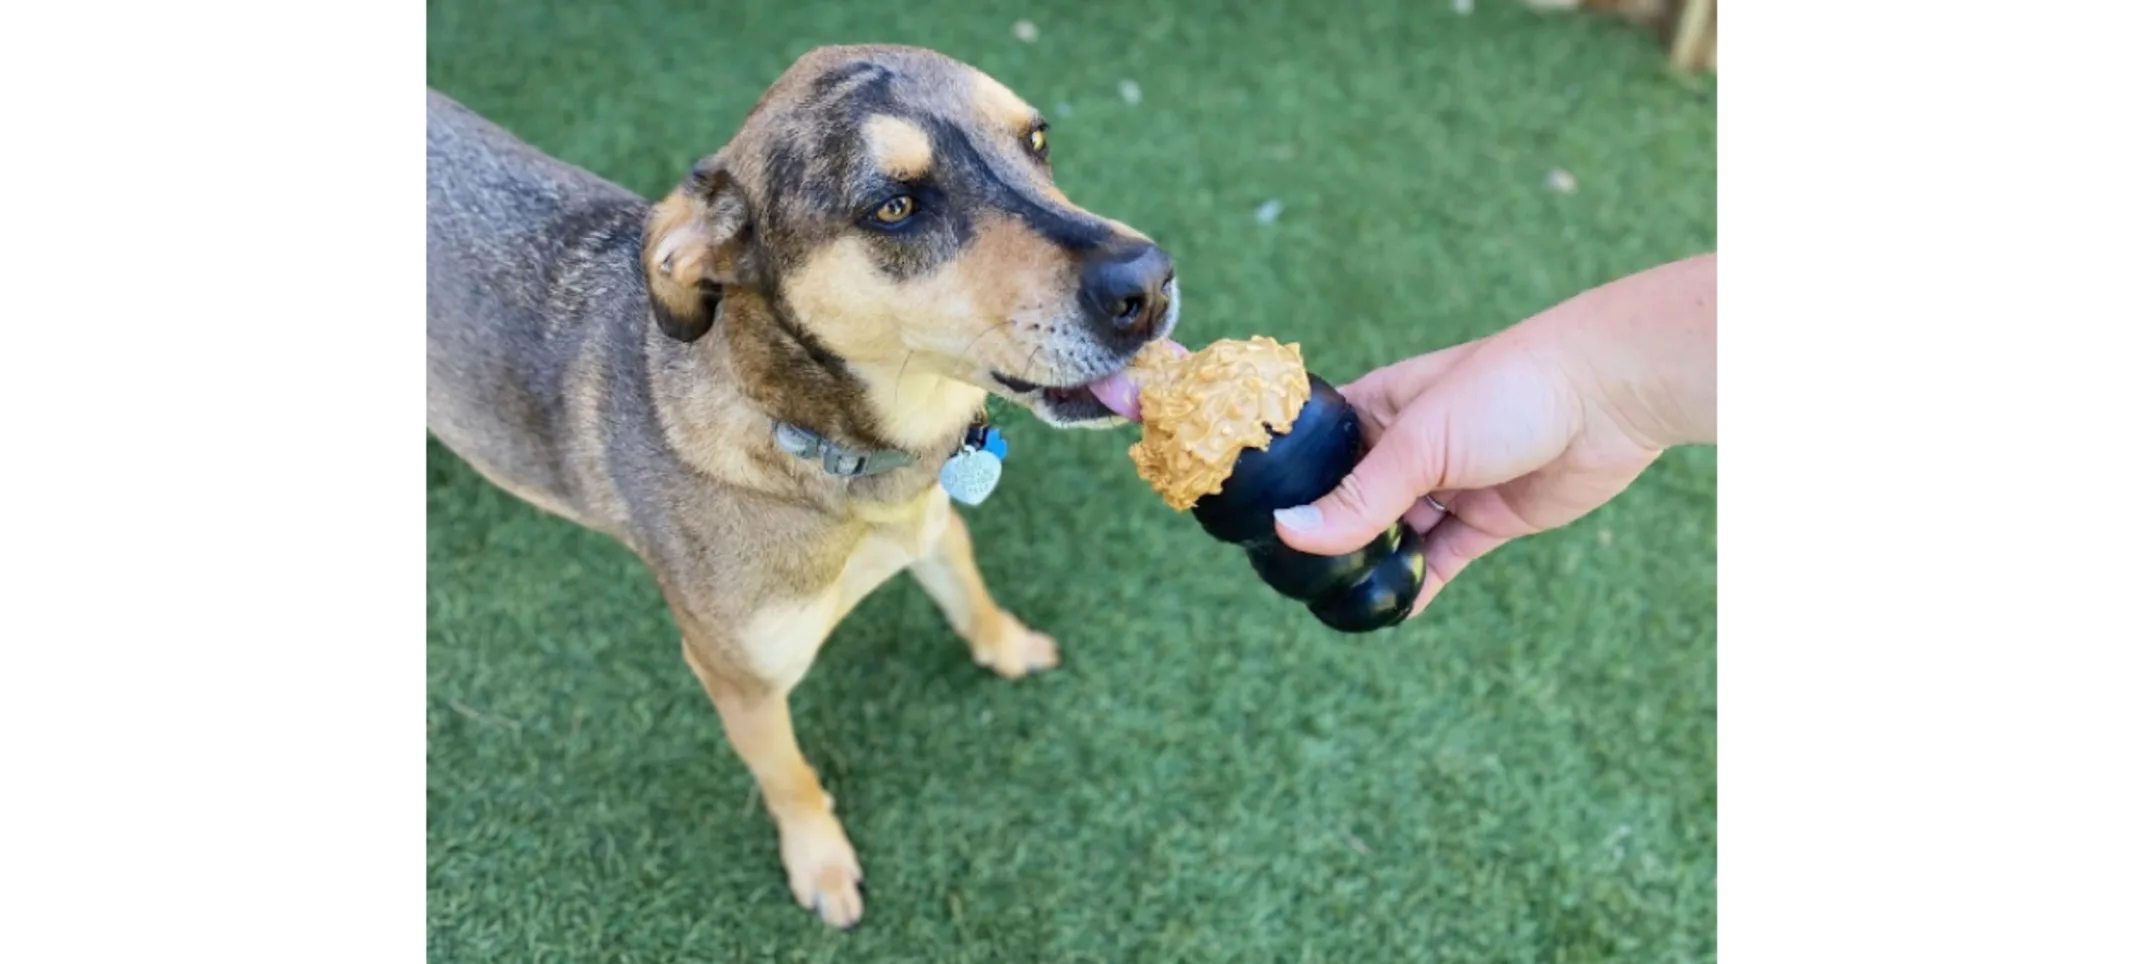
(1526, 773)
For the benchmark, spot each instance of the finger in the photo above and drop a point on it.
(1431, 509)
(1450, 546)
(1381, 395)
(1423, 517)
(1380, 489)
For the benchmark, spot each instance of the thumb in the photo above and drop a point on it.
(1408, 461)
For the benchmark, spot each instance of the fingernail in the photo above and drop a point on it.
(1300, 518)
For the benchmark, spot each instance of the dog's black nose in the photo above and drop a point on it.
(1125, 289)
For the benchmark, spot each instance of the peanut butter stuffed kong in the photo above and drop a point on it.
(1239, 430)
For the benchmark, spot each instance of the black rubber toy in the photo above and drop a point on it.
(1363, 591)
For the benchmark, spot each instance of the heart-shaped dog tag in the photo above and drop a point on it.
(971, 475)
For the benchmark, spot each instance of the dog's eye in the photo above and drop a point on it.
(1037, 141)
(895, 210)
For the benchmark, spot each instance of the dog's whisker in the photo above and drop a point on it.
(976, 339)
(899, 381)
(1027, 368)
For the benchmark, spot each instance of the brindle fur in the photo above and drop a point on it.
(622, 365)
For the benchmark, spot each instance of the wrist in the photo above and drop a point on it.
(1641, 351)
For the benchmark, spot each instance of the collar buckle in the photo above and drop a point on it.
(846, 464)
(837, 461)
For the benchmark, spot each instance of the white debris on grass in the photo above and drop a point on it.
(1062, 108)
(1025, 30)
(1462, 7)
(1561, 181)
(1268, 211)
(1131, 93)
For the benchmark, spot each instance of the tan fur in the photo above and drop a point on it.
(996, 104)
(678, 253)
(694, 238)
(759, 554)
(749, 676)
(991, 310)
(1011, 112)
(898, 145)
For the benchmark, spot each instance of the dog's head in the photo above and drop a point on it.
(893, 207)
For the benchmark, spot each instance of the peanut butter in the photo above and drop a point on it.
(1201, 410)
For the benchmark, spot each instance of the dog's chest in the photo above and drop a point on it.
(893, 538)
(783, 638)
(912, 526)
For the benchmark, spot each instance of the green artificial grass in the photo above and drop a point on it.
(1525, 773)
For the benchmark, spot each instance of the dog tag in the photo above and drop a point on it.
(972, 474)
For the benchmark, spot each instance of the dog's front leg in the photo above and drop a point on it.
(822, 870)
(999, 641)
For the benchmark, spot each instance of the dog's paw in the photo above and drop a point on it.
(1017, 650)
(822, 870)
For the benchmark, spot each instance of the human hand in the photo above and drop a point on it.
(1528, 429)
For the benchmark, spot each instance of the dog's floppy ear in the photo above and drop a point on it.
(697, 240)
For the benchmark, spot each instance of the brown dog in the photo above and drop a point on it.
(755, 382)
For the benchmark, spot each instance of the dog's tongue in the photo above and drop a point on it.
(1119, 391)
(1119, 394)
